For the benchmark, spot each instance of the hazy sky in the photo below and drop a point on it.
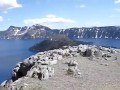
(59, 13)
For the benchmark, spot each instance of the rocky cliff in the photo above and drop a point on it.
(39, 31)
(82, 67)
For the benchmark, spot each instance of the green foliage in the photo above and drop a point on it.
(55, 42)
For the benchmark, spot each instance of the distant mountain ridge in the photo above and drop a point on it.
(39, 31)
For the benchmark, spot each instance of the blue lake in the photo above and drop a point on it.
(103, 42)
(12, 52)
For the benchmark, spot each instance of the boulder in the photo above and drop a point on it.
(106, 55)
(87, 53)
(43, 62)
(33, 73)
(74, 71)
(91, 57)
(44, 74)
(74, 54)
(22, 70)
(97, 53)
(52, 62)
(116, 58)
(18, 64)
(112, 51)
(47, 62)
(51, 71)
(71, 70)
(41, 72)
(59, 57)
(72, 63)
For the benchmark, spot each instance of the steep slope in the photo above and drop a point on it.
(39, 31)
(34, 31)
(93, 32)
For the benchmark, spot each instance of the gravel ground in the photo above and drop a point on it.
(96, 74)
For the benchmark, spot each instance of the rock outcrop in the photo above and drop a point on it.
(73, 69)
(41, 65)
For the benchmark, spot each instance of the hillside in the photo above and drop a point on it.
(39, 31)
(56, 42)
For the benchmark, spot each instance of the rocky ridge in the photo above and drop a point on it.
(66, 66)
(39, 31)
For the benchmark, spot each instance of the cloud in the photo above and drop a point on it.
(9, 4)
(48, 19)
(117, 1)
(81, 6)
(1, 18)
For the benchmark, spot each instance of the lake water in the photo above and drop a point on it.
(103, 42)
(12, 52)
